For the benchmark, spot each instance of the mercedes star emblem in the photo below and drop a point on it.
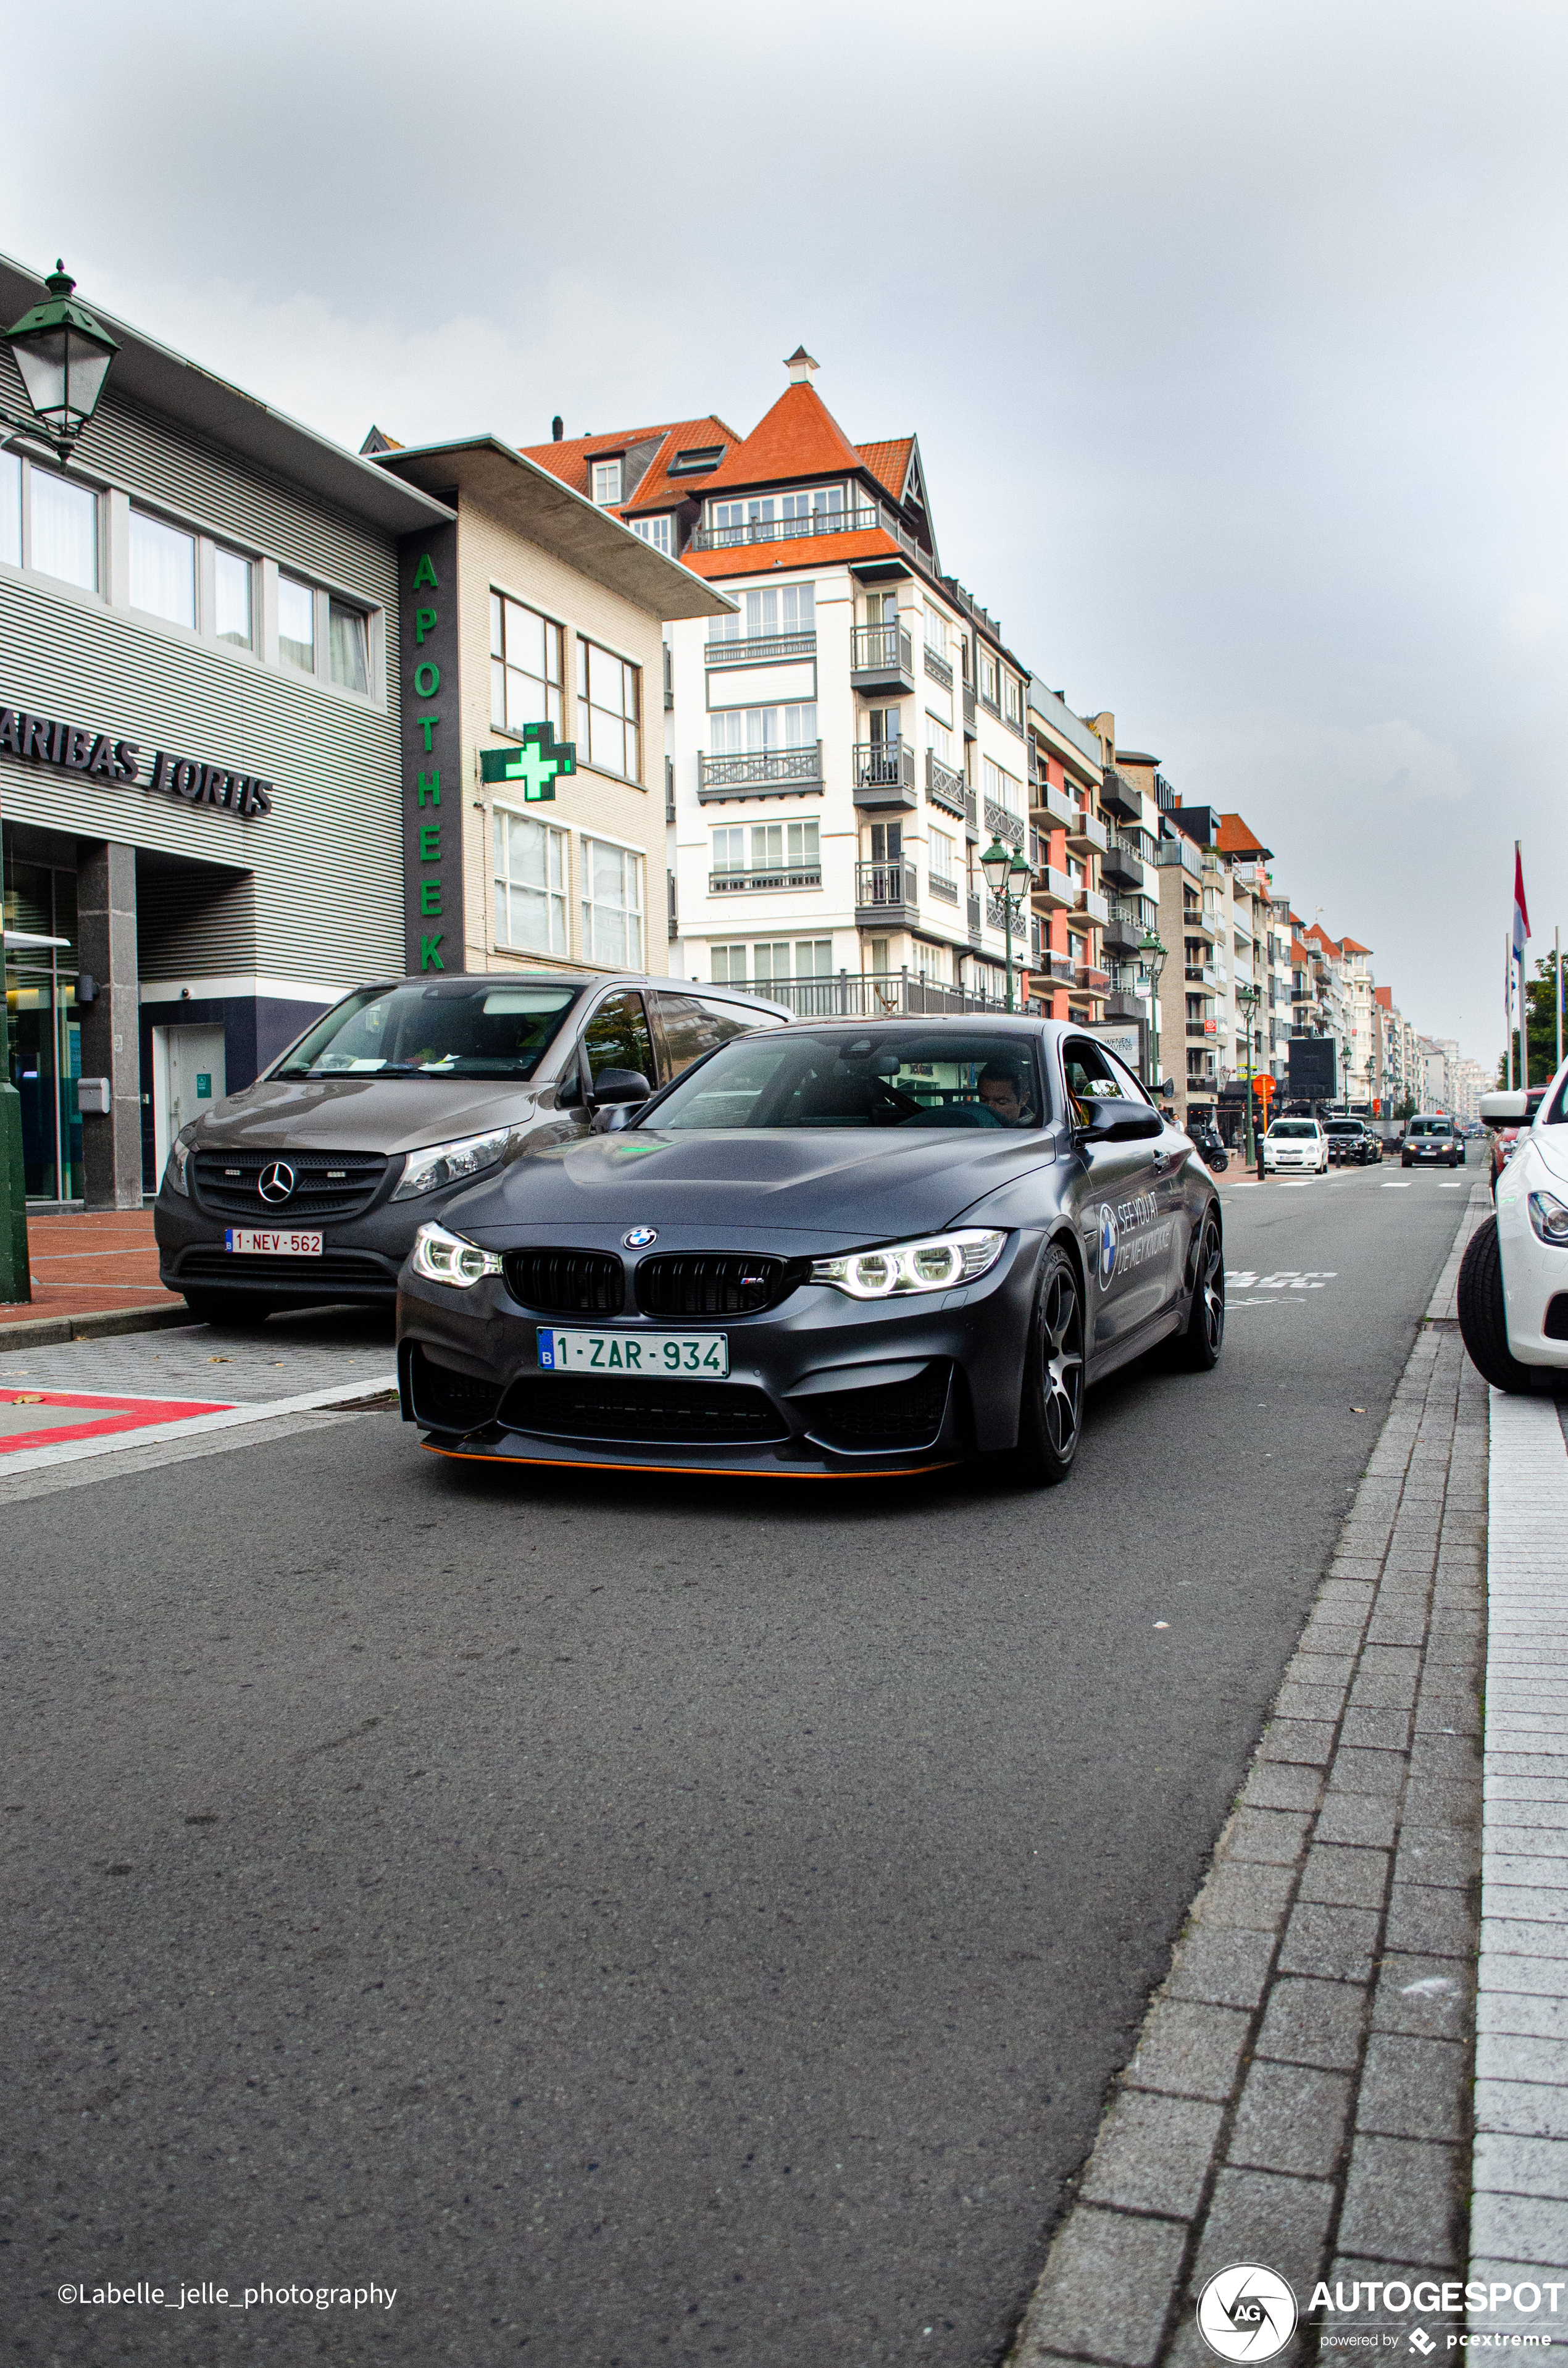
(277, 1181)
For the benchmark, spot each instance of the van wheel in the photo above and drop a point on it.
(1483, 1317)
(232, 1307)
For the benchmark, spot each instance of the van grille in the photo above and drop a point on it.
(670, 1413)
(348, 1274)
(715, 1283)
(566, 1282)
(327, 1184)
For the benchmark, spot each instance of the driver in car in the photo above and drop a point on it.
(1005, 1093)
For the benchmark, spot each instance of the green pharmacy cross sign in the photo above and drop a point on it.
(538, 764)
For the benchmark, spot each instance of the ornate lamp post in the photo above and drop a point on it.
(1153, 952)
(1008, 877)
(63, 356)
(1249, 998)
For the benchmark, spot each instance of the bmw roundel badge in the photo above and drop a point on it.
(1107, 1245)
(639, 1238)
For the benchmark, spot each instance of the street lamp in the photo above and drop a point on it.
(63, 356)
(1152, 952)
(1249, 998)
(1008, 877)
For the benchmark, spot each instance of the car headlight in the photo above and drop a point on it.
(1549, 1219)
(441, 1257)
(905, 1267)
(174, 1174)
(449, 1163)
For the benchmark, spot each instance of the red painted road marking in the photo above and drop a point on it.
(115, 1414)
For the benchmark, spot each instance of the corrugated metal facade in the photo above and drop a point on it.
(325, 902)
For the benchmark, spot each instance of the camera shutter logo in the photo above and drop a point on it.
(1246, 2313)
(275, 1182)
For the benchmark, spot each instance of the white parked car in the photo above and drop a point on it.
(1295, 1146)
(1513, 1290)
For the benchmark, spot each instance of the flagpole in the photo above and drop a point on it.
(1557, 982)
(1508, 1002)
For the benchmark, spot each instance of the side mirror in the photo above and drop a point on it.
(1505, 1109)
(622, 1086)
(613, 1119)
(1120, 1122)
(1167, 1090)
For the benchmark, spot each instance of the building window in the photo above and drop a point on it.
(162, 570)
(296, 624)
(729, 965)
(659, 532)
(231, 597)
(11, 508)
(1001, 788)
(939, 740)
(943, 849)
(525, 668)
(62, 530)
(788, 853)
(608, 707)
(752, 730)
(348, 647)
(935, 632)
(748, 520)
(530, 885)
(612, 904)
(990, 680)
(1012, 699)
(771, 610)
(606, 482)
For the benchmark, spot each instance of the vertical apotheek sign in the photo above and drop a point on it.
(432, 752)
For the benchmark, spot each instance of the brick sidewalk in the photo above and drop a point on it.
(92, 1262)
(1300, 2095)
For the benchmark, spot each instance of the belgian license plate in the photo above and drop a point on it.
(707, 1353)
(247, 1244)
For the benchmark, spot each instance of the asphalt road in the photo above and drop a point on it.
(640, 1922)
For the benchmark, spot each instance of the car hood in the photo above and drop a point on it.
(363, 1114)
(846, 1186)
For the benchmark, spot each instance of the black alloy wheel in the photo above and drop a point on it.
(1051, 1414)
(1197, 1346)
(1484, 1321)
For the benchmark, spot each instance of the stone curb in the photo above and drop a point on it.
(1300, 2093)
(54, 1331)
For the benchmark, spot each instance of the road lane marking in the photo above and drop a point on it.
(76, 1449)
(1396, 1188)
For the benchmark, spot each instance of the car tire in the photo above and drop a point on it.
(1198, 1345)
(232, 1307)
(1050, 1412)
(1484, 1324)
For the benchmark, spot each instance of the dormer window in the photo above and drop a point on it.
(697, 460)
(606, 482)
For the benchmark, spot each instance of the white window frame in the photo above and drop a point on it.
(589, 839)
(585, 708)
(562, 835)
(609, 477)
(498, 592)
(659, 532)
(27, 468)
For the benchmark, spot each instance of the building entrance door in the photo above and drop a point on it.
(188, 1077)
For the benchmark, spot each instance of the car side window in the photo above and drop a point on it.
(617, 1037)
(730, 1021)
(688, 1031)
(1087, 1067)
(1130, 1088)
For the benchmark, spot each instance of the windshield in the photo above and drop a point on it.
(1291, 1128)
(1430, 1126)
(880, 1076)
(1345, 1126)
(468, 1027)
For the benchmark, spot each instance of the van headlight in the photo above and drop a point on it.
(174, 1174)
(449, 1163)
(441, 1257)
(1549, 1219)
(936, 1264)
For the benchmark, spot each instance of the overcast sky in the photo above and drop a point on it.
(1232, 330)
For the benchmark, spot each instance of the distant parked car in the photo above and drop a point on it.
(1295, 1146)
(1351, 1139)
(1513, 1287)
(1504, 1136)
(1432, 1141)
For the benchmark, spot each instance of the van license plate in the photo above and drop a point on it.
(705, 1353)
(253, 1244)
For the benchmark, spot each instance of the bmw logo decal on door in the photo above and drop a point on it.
(641, 1237)
(1107, 1246)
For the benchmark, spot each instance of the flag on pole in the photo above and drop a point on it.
(1521, 911)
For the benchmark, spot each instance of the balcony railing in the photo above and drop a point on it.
(878, 995)
(719, 777)
(1002, 824)
(972, 812)
(1054, 803)
(882, 653)
(1086, 830)
(992, 706)
(973, 916)
(996, 918)
(795, 529)
(885, 883)
(944, 788)
(947, 890)
(968, 710)
(938, 667)
(1093, 906)
(760, 649)
(1090, 980)
(884, 773)
(807, 875)
(1053, 890)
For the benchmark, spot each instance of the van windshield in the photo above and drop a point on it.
(458, 1027)
(1430, 1126)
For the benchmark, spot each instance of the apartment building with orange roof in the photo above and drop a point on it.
(839, 751)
